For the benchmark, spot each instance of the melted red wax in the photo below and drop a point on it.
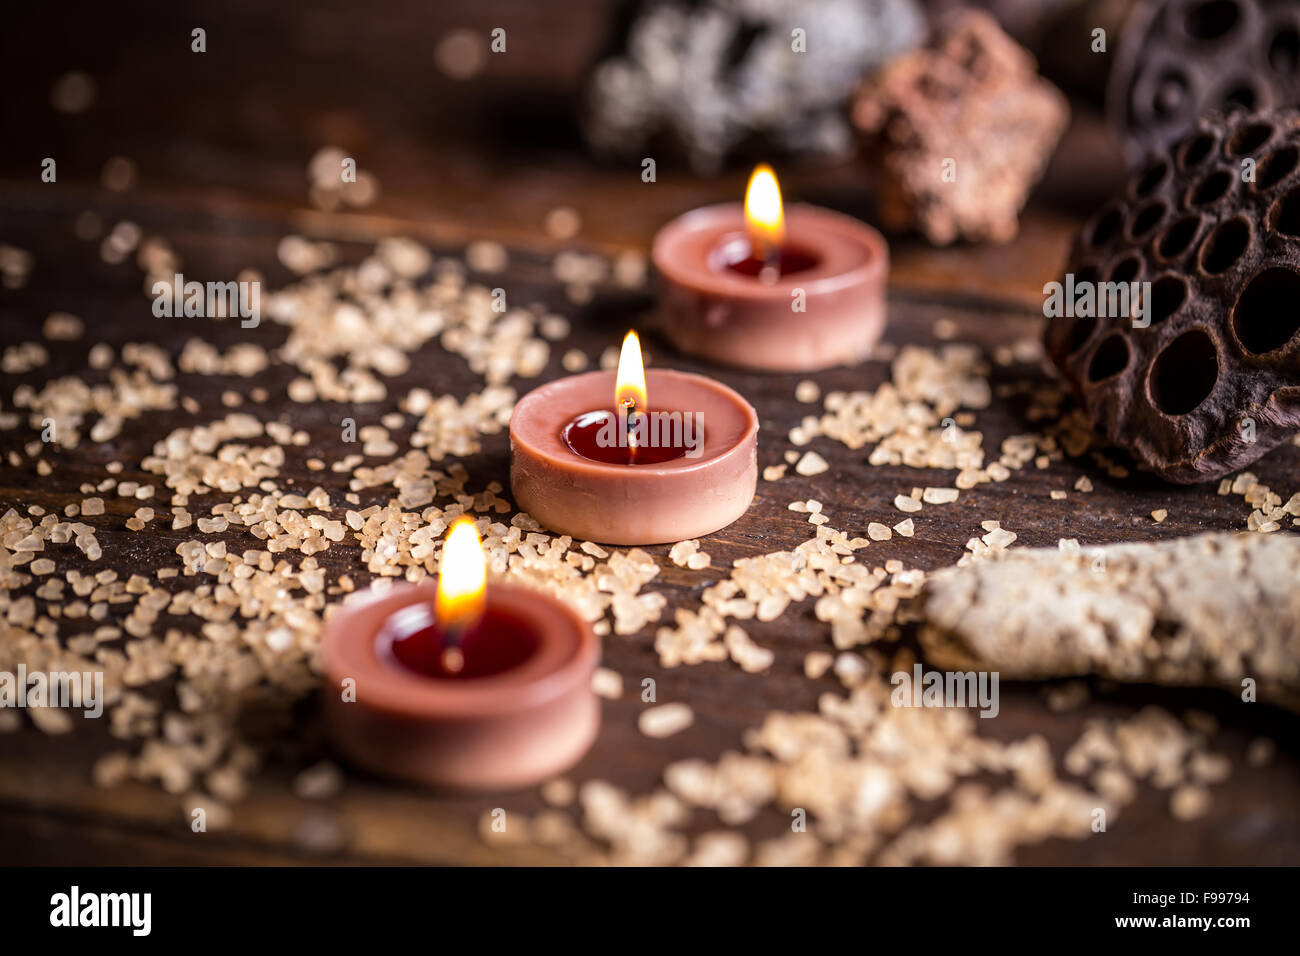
(788, 261)
(497, 642)
(582, 435)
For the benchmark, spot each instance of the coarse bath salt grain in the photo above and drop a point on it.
(607, 683)
(811, 464)
(939, 496)
(665, 720)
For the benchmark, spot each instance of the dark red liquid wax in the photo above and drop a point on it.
(787, 262)
(739, 255)
(589, 436)
(497, 642)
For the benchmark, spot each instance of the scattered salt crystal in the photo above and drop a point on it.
(665, 720)
(999, 538)
(811, 464)
(563, 222)
(1260, 751)
(807, 392)
(559, 792)
(751, 658)
(817, 664)
(318, 782)
(1189, 802)
(486, 256)
(607, 683)
(681, 551)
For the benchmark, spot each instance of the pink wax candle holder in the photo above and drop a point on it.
(494, 696)
(803, 290)
(571, 470)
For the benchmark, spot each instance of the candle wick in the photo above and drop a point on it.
(453, 658)
(629, 412)
(768, 255)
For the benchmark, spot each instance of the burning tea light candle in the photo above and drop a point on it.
(461, 683)
(635, 457)
(764, 287)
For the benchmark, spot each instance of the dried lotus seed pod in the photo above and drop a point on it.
(1213, 224)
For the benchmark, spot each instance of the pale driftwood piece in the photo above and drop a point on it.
(1211, 610)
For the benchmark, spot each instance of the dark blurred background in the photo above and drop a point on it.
(484, 155)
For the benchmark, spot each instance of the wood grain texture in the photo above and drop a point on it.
(222, 142)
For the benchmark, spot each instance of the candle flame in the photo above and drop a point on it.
(764, 214)
(462, 587)
(629, 390)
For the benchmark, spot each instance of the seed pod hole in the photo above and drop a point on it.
(1195, 150)
(1168, 293)
(1224, 246)
(1284, 51)
(1110, 359)
(1240, 95)
(1080, 332)
(1107, 228)
(1266, 316)
(1178, 238)
(1184, 374)
(1284, 216)
(1146, 219)
(1275, 167)
(1249, 138)
(1147, 182)
(1212, 19)
(1126, 270)
(1211, 189)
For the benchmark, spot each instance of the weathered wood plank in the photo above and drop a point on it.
(222, 177)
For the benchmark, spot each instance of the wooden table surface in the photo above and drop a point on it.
(221, 141)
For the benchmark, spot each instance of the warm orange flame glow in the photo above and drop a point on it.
(629, 390)
(764, 215)
(462, 578)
